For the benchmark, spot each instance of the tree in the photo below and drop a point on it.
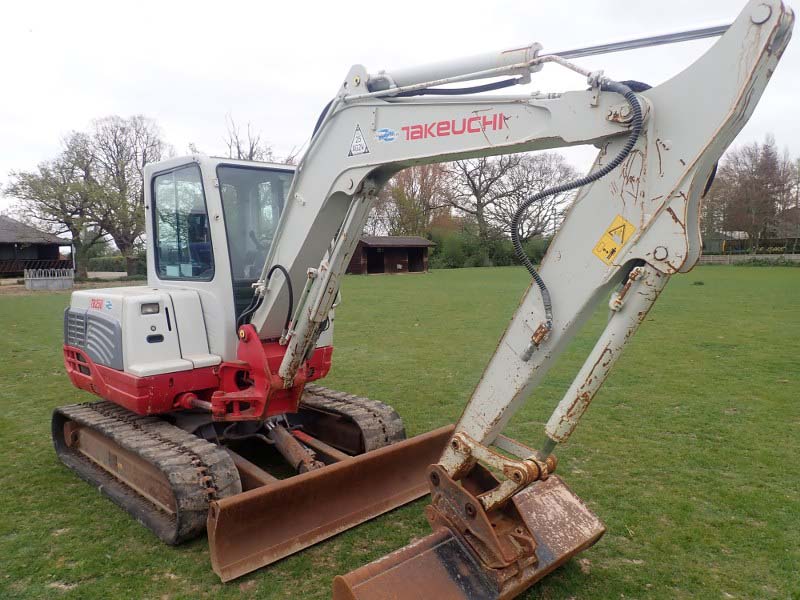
(715, 204)
(415, 196)
(120, 149)
(249, 146)
(477, 184)
(532, 174)
(60, 195)
(377, 220)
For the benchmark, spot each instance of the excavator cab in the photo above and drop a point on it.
(212, 221)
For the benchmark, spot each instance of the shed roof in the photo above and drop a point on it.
(396, 241)
(14, 232)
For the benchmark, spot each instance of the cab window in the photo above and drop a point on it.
(252, 201)
(183, 241)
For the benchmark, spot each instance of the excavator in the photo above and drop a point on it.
(210, 415)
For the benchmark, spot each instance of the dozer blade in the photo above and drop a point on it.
(258, 527)
(442, 566)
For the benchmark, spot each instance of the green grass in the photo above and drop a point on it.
(689, 453)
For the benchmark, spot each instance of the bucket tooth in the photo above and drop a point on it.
(443, 566)
(258, 527)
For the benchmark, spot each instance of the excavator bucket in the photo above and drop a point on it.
(443, 566)
(260, 526)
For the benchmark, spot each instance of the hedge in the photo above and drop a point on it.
(463, 249)
(116, 264)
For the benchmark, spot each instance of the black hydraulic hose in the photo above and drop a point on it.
(636, 130)
(476, 89)
(256, 301)
(283, 270)
(322, 117)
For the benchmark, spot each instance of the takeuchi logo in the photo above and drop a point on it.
(466, 125)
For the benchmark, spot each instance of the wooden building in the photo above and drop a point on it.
(24, 247)
(390, 254)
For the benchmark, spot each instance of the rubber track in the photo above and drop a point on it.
(379, 423)
(197, 470)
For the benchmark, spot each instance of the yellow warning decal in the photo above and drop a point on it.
(614, 238)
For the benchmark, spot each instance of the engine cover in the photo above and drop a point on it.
(140, 330)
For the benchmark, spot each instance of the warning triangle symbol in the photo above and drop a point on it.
(359, 144)
(618, 234)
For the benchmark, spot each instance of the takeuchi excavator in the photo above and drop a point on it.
(209, 373)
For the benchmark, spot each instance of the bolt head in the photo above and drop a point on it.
(471, 511)
(660, 253)
(761, 14)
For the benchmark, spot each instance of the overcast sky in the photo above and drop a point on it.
(276, 64)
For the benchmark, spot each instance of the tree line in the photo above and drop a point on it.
(755, 196)
(93, 190)
(467, 206)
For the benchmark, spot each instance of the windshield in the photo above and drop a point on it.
(252, 200)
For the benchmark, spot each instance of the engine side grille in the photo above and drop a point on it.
(104, 340)
(98, 334)
(75, 328)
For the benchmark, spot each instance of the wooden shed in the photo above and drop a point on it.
(390, 254)
(24, 247)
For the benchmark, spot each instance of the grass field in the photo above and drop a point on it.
(690, 452)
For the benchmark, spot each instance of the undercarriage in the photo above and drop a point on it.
(167, 470)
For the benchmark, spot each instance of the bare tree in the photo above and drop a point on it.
(532, 174)
(120, 150)
(247, 146)
(60, 196)
(751, 208)
(378, 219)
(415, 195)
(477, 184)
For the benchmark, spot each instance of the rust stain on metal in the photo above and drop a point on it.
(297, 455)
(658, 151)
(540, 334)
(441, 565)
(633, 170)
(675, 217)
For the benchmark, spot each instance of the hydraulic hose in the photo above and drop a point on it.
(256, 302)
(476, 89)
(283, 270)
(636, 130)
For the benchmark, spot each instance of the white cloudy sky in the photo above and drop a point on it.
(275, 64)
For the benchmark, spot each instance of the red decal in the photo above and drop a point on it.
(96, 303)
(463, 127)
(475, 124)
